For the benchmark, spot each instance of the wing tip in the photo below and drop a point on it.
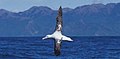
(60, 9)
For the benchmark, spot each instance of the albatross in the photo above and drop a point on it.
(57, 35)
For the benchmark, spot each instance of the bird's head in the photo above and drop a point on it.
(47, 36)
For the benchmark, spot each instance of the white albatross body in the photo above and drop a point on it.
(57, 35)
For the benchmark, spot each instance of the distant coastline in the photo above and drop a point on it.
(87, 20)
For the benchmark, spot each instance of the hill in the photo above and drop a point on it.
(87, 20)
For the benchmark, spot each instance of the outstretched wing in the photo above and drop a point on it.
(66, 38)
(59, 20)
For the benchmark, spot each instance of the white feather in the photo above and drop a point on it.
(58, 36)
(66, 38)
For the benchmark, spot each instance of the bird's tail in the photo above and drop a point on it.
(57, 47)
(66, 38)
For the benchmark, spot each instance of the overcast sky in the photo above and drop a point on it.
(21, 5)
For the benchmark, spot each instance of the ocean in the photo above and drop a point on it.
(104, 47)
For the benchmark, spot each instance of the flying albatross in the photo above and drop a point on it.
(57, 35)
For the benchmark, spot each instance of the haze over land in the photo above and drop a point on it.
(87, 20)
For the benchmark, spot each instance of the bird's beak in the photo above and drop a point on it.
(44, 38)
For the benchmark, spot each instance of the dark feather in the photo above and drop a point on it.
(59, 20)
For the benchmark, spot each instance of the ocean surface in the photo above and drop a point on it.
(80, 48)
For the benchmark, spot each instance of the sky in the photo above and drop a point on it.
(22, 5)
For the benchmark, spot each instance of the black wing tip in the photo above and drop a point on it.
(60, 11)
(60, 8)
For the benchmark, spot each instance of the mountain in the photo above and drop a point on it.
(87, 20)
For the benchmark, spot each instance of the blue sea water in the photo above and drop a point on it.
(80, 48)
